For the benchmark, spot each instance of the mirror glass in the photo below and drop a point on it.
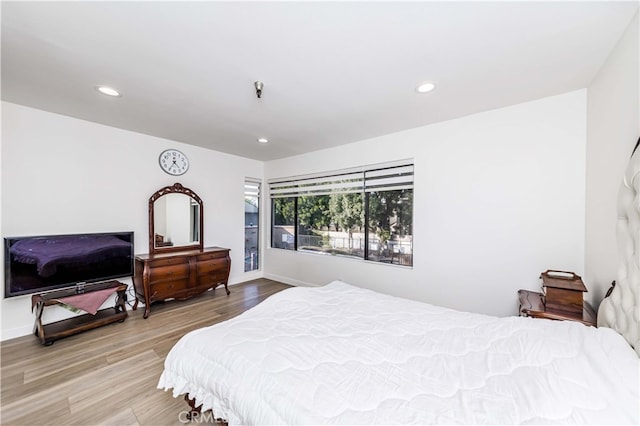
(176, 221)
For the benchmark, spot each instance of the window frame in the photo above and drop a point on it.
(365, 180)
(248, 182)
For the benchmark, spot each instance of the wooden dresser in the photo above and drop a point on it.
(179, 274)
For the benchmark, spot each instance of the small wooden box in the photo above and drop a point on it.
(563, 291)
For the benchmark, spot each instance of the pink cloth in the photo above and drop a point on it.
(90, 301)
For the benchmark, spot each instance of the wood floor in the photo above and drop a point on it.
(108, 376)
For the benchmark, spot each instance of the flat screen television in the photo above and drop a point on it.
(49, 262)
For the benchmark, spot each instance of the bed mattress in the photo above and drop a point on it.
(340, 354)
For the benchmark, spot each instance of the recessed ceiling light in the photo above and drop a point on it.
(106, 90)
(263, 140)
(425, 87)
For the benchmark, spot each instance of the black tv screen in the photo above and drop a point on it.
(48, 262)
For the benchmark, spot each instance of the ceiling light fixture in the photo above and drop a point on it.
(425, 87)
(263, 140)
(258, 85)
(109, 91)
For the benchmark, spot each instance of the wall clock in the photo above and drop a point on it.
(173, 162)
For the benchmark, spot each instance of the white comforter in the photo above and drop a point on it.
(339, 354)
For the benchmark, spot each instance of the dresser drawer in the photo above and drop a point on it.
(169, 261)
(214, 255)
(172, 272)
(168, 289)
(212, 278)
(211, 265)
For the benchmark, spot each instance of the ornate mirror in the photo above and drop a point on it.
(175, 219)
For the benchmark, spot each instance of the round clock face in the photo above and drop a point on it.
(174, 162)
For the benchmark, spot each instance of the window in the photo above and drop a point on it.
(283, 218)
(251, 225)
(365, 213)
(390, 226)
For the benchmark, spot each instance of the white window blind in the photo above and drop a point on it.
(379, 177)
(251, 188)
(389, 179)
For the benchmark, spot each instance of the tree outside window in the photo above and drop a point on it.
(283, 228)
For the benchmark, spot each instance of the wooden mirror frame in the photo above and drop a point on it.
(179, 189)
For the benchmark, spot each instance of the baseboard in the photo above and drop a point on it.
(14, 333)
(289, 281)
(247, 276)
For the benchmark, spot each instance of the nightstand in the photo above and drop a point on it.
(532, 305)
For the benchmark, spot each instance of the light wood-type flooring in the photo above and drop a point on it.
(108, 376)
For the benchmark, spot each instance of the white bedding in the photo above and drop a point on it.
(340, 354)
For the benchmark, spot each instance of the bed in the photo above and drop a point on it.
(341, 354)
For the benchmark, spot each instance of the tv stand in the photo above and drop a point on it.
(48, 333)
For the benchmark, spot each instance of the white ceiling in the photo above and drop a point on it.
(333, 72)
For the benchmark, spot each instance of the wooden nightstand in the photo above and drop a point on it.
(532, 305)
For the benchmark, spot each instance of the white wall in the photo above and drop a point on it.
(63, 175)
(499, 197)
(613, 128)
